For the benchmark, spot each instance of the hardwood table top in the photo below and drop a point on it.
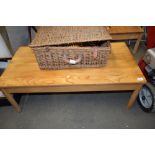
(23, 71)
(125, 29)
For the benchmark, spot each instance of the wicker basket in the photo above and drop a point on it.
(71, 47)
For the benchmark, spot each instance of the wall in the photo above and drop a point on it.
(18, 36)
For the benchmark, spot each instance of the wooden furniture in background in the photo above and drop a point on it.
(30, 33)
(127, 33)
(24, 76)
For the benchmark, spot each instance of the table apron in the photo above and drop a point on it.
(125, 36)
(78, 88)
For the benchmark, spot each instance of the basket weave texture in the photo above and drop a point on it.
(57, 35)
(71, 47)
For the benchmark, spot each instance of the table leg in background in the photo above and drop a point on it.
(137, 43)
(11, 100)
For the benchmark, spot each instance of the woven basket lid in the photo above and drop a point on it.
(58, 35)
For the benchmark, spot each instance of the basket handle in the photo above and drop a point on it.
(95, 53)
(74, 62)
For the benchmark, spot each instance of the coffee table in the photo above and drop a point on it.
(24, 76)
(127, 33)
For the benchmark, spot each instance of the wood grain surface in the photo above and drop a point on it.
(23, 71)
(125, 29)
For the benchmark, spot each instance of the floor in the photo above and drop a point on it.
(77, 110)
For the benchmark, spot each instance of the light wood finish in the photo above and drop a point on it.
(75, 88)
(134, 96)
(23, 71)
(137, 43)
(12, 100)
(127, 33)
(24, 76)
(125, 29)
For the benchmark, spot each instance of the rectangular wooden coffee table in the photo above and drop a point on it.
(127, 33)
(24, 76)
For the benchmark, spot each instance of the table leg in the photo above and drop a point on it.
(137, 43)
(11, 100)
(133, 97)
